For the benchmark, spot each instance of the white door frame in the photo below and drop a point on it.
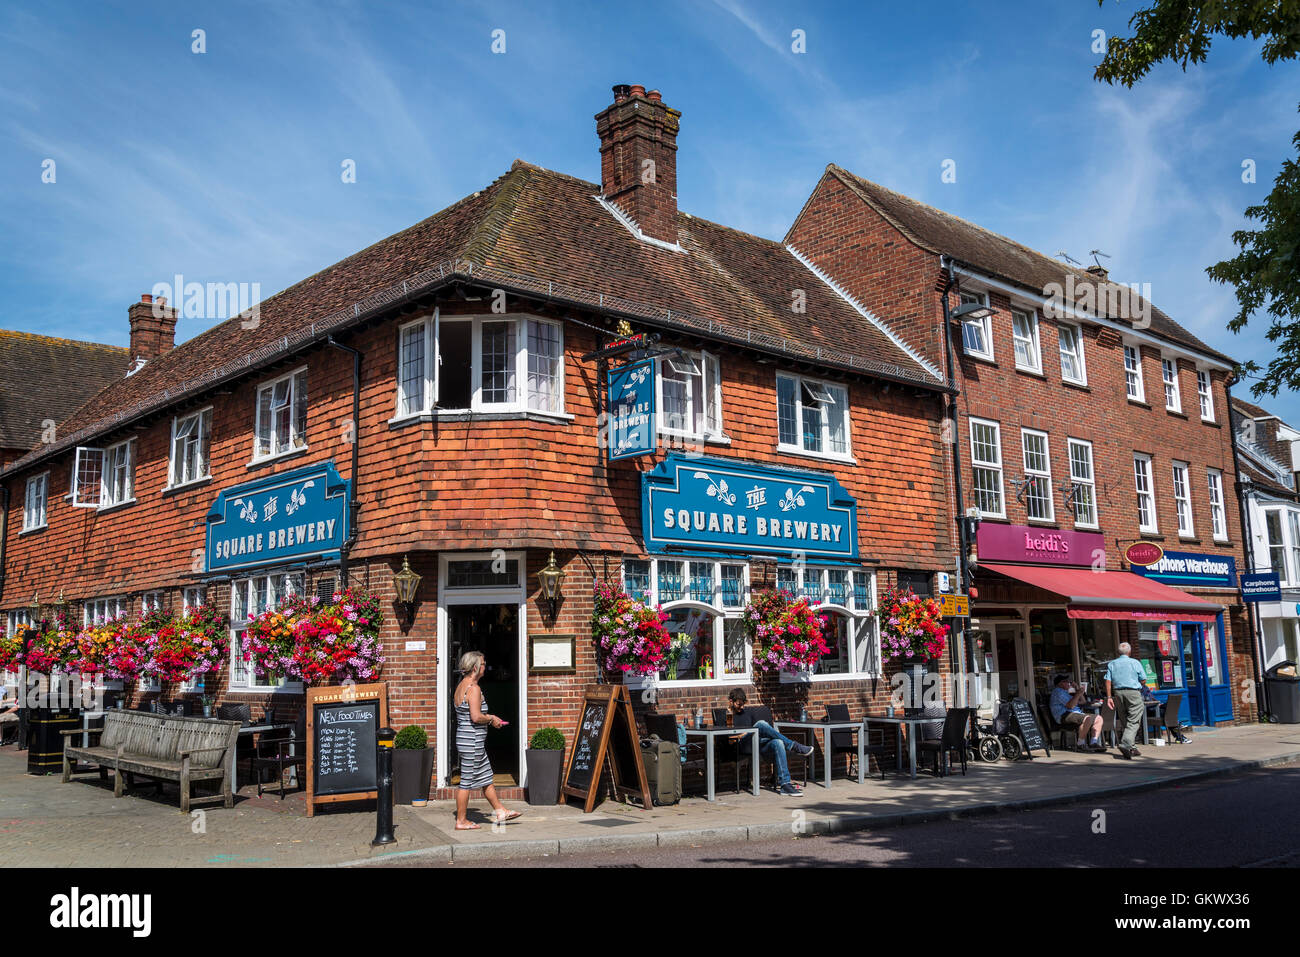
(517, 596)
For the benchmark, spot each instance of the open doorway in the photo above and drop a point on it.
(492, 629)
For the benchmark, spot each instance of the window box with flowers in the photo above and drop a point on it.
(317, 642)
(181, 649)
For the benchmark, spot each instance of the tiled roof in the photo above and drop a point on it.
(43, 378)
(1005, 259)
(533, 230)
(1252, 410)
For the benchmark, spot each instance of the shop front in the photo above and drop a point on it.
(716, 531)
(1048, 605)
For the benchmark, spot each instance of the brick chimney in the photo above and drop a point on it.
(153, 328)
(638, 159)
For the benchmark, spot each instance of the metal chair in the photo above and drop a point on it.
(1169, 725)
(739, 750)
(278, 757)
(842, 741)
(952, 739)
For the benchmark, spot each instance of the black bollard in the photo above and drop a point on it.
(385, 739)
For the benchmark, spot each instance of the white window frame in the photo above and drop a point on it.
(1144, 474)
(279, 585)
(1088, 482)
(1134, 387)
(524, 399)
(20, 616)
(97, 611)
(192, 598)
(1291, 528)
(1169, 377)
(708, 371)
(200, 444)
(99, 482)
(984, 327)
(1038, 475)
(1029, 343)
(1218, 513)
(1074, 355)
(150, 601)
(864, 623)
(1205, 394)
(713, 606)
(1183, 499)
(119, 457)
(831, 390)
(36, 502)
(297, 442)
(1280, 548)
(988, 465)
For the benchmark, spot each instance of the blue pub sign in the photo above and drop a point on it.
(291, 516)
(730, 505)
(632, 410)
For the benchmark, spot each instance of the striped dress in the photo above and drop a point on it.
(471, 742)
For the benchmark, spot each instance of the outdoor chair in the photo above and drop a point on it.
(842, 742)
(274, 754)
(1168, 723)
(1065, 738)
(952, 739)
(1108, 725)
(664, 726)
(243, 713)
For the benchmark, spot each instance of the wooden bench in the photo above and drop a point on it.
(163, 747)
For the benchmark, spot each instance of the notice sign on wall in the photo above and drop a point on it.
(631, 430)
(293, 515)
(737, 506)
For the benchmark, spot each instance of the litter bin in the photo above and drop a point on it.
(45, 743)
(1283, 688)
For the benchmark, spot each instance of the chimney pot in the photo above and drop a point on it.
(621, 91)
(145, 297)
(638, 89)
(654, 97)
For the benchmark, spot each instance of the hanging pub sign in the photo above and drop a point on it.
(710, 503)
(292, 516)
(631, 424)
(1191, 568)
(1144, 553)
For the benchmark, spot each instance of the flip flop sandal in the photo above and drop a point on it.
(510, 816)
(471, 826)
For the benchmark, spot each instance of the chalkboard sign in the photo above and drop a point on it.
(606, 720)
(342, 727)
(1027, 726)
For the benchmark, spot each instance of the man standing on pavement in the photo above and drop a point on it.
(1124, 681)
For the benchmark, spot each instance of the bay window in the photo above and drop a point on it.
(36, 502)
(249, 597)
(281, 425)
(812, 416)
(191, 435)
(846, 599)
(690, 395)
(986, 467)
(703, 601)
(472, 364)
(1276, 544)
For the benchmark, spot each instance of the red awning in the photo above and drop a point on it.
(1114, 595)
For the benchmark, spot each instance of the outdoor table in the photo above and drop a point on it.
(827, 727)
(898, 721)
(709, 735)
(251, 730)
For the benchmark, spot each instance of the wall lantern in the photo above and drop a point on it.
(551, 578)
(408, 583)
(34, 610)
(972, 310)
(61, 605)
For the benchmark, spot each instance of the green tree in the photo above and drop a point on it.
(1266, 272)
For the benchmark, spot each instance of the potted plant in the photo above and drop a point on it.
(412, 766)
(545, 758)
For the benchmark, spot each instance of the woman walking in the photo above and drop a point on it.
(472, 723)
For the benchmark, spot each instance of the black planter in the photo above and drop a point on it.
(544, 771)
(412, 771)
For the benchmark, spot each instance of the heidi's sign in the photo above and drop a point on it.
(632, 410)
(710, 503)
(292, 516)
(1039, 546)
(1144, 553)
(1191, 568)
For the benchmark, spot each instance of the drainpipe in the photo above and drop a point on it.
(963, 572)
(1243, 516)
(354, 508)
(4, 531)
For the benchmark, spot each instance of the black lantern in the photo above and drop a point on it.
(34, 610)
(407, 583)
(551, 578)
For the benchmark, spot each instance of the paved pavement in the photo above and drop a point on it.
(44, 822)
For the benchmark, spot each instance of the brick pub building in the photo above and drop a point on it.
(1088, 421)
(434, 399)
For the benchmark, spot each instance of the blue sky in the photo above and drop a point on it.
(225, 166)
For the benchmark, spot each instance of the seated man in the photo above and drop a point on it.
(1067, 713)
(771, 742)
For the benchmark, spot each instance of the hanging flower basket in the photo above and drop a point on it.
(268, 640)
(181, 649)
(339, 640)
(127, 655)
(785, 632)
(94, 645)
(11, 649)
(911, 628)
(630, 635)
(50, 649)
